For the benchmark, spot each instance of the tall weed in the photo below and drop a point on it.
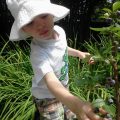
(15, 82)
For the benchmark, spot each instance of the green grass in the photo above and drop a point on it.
(15, 82)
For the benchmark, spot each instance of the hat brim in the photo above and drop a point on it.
(24, 17)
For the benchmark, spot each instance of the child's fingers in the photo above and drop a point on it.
(86, 57)
(83, 116)
(88, 54)
(105, 119)
(91, 60)
(90, 113)
(101, 110)
(93, 116)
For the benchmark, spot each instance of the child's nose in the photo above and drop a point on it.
(39, 24)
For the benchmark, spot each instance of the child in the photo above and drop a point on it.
(49, 58)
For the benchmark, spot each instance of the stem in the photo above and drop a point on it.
(117, 95)
(115, 75)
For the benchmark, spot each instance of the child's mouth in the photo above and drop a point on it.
(44, 32)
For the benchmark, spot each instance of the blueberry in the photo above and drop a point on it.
(109, 20)
(96, 110)
(116, 42)
(110, 101)
(112, 82)
(109, 1)
(108, 116)
(118, 48)
(118, 13)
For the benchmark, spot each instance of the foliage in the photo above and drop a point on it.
(15, 81)
(112, 15)
(90, 82)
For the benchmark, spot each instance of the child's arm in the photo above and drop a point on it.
(77, 53)
(80, 108)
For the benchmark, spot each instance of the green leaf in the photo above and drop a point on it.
(98, 103)
(107, 10)
(103, 29)
(116, 6)
(114, 29)
(110, 109)
(117, 34)
(102, 17)
(117, 25)
(97, 58)
(107, 29)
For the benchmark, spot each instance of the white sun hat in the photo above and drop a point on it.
(24, 11)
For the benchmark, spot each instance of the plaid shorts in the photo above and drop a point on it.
(52, 109)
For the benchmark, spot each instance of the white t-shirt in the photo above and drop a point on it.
(47, 56)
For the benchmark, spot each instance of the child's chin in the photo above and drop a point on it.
(42, 37)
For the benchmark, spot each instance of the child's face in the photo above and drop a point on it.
(40, 27)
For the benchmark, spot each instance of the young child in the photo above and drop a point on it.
(49, 59)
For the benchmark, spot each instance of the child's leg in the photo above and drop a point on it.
(49, 109)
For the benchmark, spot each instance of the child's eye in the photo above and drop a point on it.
(44, 16)
(30, 23)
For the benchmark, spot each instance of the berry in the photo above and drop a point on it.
(112, 82)
(110, 101)
(118, 49)
(109, 1)
(116, 42)
(96, 110)
(118, 13)
(109, 20)
(108, 116)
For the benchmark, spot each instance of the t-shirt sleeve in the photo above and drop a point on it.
(41, 66)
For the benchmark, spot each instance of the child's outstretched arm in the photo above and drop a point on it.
(81, 55)
(77, 53)
(81, 109)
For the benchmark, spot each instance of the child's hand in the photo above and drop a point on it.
(91, 61)
(84, 55)
(87, 113)
(87, 57)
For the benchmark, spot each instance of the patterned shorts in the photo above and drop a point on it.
(52, 109)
